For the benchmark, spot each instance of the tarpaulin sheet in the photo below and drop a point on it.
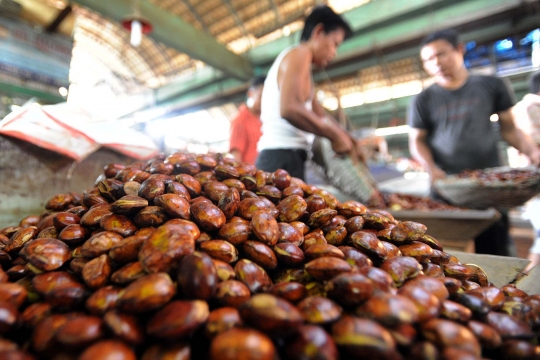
(72, 132)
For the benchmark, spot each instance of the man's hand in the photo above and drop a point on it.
(436, 173)
(534, 156)
(342, 144)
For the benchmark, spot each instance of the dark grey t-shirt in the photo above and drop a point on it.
(460, 133)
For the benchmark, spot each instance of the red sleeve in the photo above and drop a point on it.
(238, 138)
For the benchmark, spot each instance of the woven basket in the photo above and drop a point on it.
(475, 194)
(352, 179)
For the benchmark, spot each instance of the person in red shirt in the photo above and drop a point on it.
(246, 126)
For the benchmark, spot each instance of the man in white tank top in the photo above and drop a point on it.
(289, 111)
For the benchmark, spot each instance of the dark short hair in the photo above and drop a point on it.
(449, 35)
(534, 83)
(257, 81)
(328, 18)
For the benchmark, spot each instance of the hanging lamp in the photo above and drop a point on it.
(136, 25)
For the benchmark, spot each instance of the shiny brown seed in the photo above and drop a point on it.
(13, 293)
(226, 172)
(408, 230)
(402, 269)
(350, 289)
(177, 189)
(147, 293)
(229, 202)
(128, 205)
(102, 300)
(100, 244)
(446, 333)
(326, 268)
(96, 272)
(271, 314)
(124, 326)
(220, 250)
(355, 257)
(323, 250)
(254, 276)
(224, 270)
(189, 182)
(46, 254)
(375, 220)
(178, 319)
(293, 190)
(246, 344)
(20, 238)
(220, 320)
(313, 238)
(208, 216)
(94, 214)
(127, 249)
(265, 227)
(151, 188)
(433, 286)
(428, 305)
(369, 244)
(420, 251)
(59, 202)
(451, 310)
(197, 276)
(235, 232)
(34, 313)
(363, 338)
(486, 335)
(290, 291)
(389, 310)
(165, 247)
(80, 331)
(150, 216)
(291, 208)
(260, 253)
(128, 273)
(288, 254)
(351, 208)
(108, 349)
(59, 288)
(177, 351)
(319, 310)
(186, 227)
(232, 293)
(63, 219)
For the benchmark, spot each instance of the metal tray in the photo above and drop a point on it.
(455, 225)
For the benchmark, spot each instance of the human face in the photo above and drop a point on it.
(441, 59)
(326, 45)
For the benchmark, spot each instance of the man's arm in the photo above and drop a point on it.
(517, 138)
(421, 153)
(236, 154)
(238, 138)
(294, 79)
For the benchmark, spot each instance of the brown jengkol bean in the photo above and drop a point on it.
(224, 259)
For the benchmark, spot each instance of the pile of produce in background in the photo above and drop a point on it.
(197, 256)
(399, 201)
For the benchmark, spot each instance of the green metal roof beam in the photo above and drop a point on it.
(42, 95)
(454, 14)
(178, 34)
(450, 16)
(188, 83)
(425, 16)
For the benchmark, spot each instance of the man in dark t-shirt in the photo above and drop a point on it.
(451, 127)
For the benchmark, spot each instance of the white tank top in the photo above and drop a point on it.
(278, 133)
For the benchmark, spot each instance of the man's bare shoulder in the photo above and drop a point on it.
(299, 55)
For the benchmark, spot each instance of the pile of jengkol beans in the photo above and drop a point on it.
(200, 257)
